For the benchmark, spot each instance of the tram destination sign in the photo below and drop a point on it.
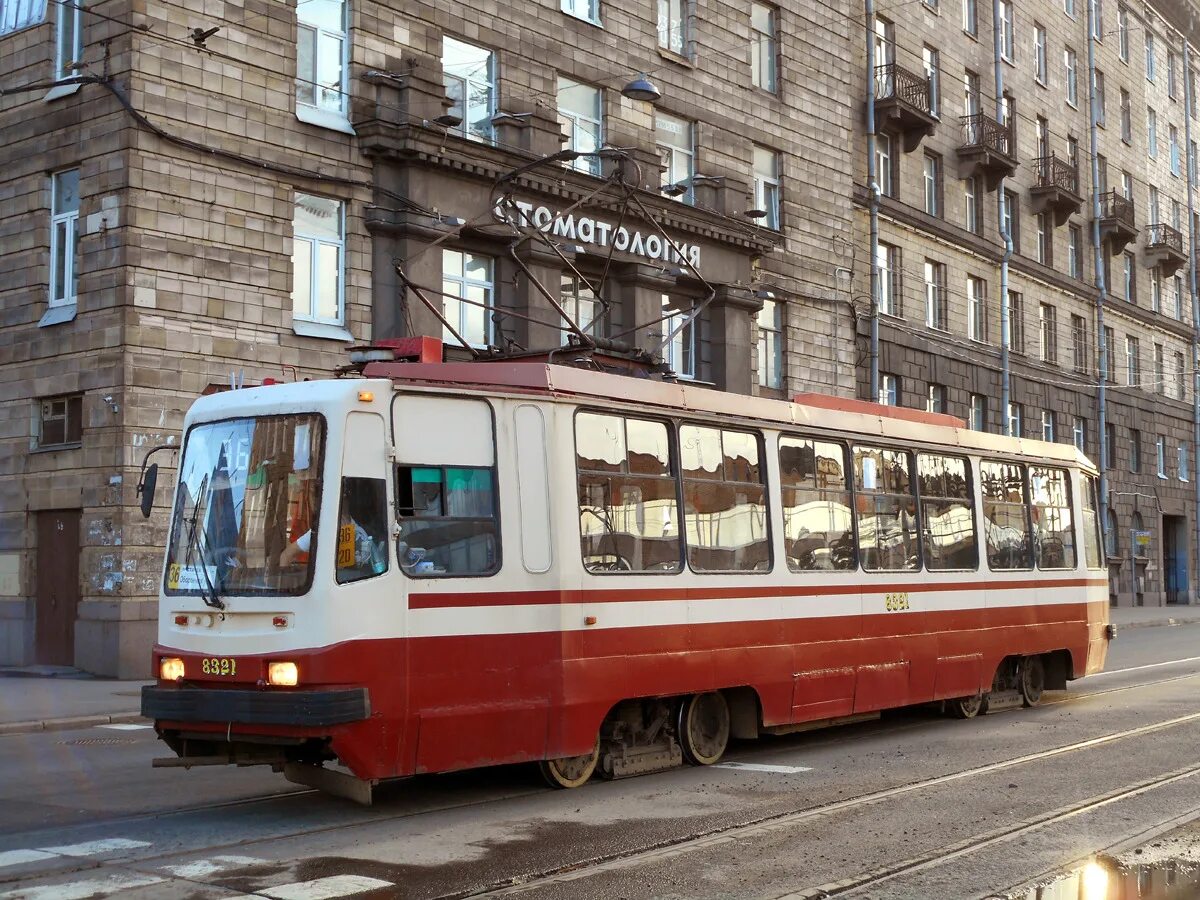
(584, 229)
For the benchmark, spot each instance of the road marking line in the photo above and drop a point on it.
(202, 868)
(125, 726)
(325, 888)
(80, 890)
(1169, 662)
(763, 767)
(16, 857)
(91, 848)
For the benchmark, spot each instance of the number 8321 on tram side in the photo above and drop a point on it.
(441, 566)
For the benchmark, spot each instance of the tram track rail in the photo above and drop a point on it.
(664, 849)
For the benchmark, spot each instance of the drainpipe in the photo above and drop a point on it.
(1187, 136)
(1101, 286)
(873, 199)
(1005, 313)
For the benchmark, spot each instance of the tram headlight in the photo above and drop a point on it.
(170, 668)
(283, 674)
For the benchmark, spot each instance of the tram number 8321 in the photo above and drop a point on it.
(896, 602)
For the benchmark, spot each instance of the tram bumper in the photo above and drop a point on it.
(303, 708)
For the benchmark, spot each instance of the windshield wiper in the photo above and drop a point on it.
(209, 595)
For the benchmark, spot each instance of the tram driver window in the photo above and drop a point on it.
(947, 516)
(1050, 498)
(725, 500)
(1005, 516)
(1091, 525)
(362, 529)
(447, 522)
(887, 510)
(628, 511)
(817, 528)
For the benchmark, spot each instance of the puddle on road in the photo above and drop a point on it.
(1167, 869)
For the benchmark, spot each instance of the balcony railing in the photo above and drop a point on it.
(894, 82)
(1116, 206)
(1164, 237)
(981, 130)
(1057, 173)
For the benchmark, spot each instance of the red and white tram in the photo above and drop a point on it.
(440, 566)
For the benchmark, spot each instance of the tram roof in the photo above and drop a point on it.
(809, 409)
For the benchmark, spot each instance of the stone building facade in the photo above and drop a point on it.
(196, 194)
(945, 154)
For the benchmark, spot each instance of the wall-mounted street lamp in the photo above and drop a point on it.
(642, 88)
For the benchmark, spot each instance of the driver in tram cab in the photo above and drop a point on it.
(357, 548)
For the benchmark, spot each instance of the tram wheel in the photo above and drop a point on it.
(967, 707)
(1033, 680)
(703, 728)
(570, 771)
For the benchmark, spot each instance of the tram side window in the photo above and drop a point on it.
(817, 528)
(1091, 525)
(447, 521)
(1005, 516)
(628, 510)
(887, 510)
(947, 515)
(362, 529)
(1054, 536)
(725, 500)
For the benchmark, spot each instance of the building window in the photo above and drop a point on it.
(971, 215)
(1179, 297)
(1048, 334)
(470, 78)
(1016, 322)
(889, 389)
(322, 60)
(936, 311)
(888, 262)
(1007, 31)
(1075, 251)
(933, 184)
(1045, 240)
(1126, 117)
(580, 114)
(1181, 378)
(1100, 102)
(1182, 458)
(1126, 185)
(766, 185)
(1151, 132)
(932, 61)
(1130, 279)
(1155, 290)
(1047, 425)
(770, 344)
(1160, 455)
(1173, 144)
(18, 14)
(1133, 363)
(318, 260)
(935, 399)
(468, 289)
(976, 308)
(1109, 347)
(1171, 74)
(672, 25)
(1110, 445)
(61, 421)
(1123, 33)
(1039, 53)
(1079, 433)
(883, 164)
(1072, 76)
(764, 49)
(1069, 8)
(1016, 412)
(1149, 56)
(1098, 20)
(579, 301)
(1079, 347)
(583, 9)
(977, 420)
(1160, 366)
(64, 236)
(970, 17)
(1012, 219)
(1135, 451)
(674, 139)
(679, 330)
(68, 38)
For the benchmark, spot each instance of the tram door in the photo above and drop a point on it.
(1175, 564)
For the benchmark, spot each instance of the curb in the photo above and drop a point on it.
(70, 722)
(1157, 622)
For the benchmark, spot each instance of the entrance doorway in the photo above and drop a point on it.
(57, 586)
(1175, 561)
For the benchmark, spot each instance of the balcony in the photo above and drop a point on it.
(1117, 225)
(902, 104)
(1164, 248)
(987, 149)
(1057, 189)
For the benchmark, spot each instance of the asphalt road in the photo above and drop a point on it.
(913, 805)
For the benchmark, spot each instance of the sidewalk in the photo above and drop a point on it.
(50, 698)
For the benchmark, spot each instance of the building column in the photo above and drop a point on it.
(402, 238)
(545, 268)
(733, 339)
(640, 289)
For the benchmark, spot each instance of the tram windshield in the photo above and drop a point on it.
(248, 489)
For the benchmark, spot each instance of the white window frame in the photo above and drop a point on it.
(570, 121)
(1173, 148)
(321, 114)
(1047, 333)
(931, 59)
(977, 417)
(1160, 370)
(1071, 74)
(766, 186)
(1133, 365)
(1127, 259)
(1098, 20)
(680, 350)
(764, 49)
(1007, 23)
(770, 345)
(1069, 8)
(1171, 83)
(1160, 452)
(971, 215)
(970, 17)
(889, 389)
(70, 16)
(673, 26)
(883, 163)
(935, 287)
(1016, 412)
(570, 289)
(932, 167)
(977, 309)
(66, 222)
(1150, 66)
(1181, 456)
(677, 157)
(1040, 63)
(587, 10)
(461, 281)
(314, 244)
(1123, 34)
(469, 84)
(1048, 425)
(1079, 433)
(21, 14)
(887, 259)
(935, 398)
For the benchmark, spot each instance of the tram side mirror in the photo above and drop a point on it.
(145, 489)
